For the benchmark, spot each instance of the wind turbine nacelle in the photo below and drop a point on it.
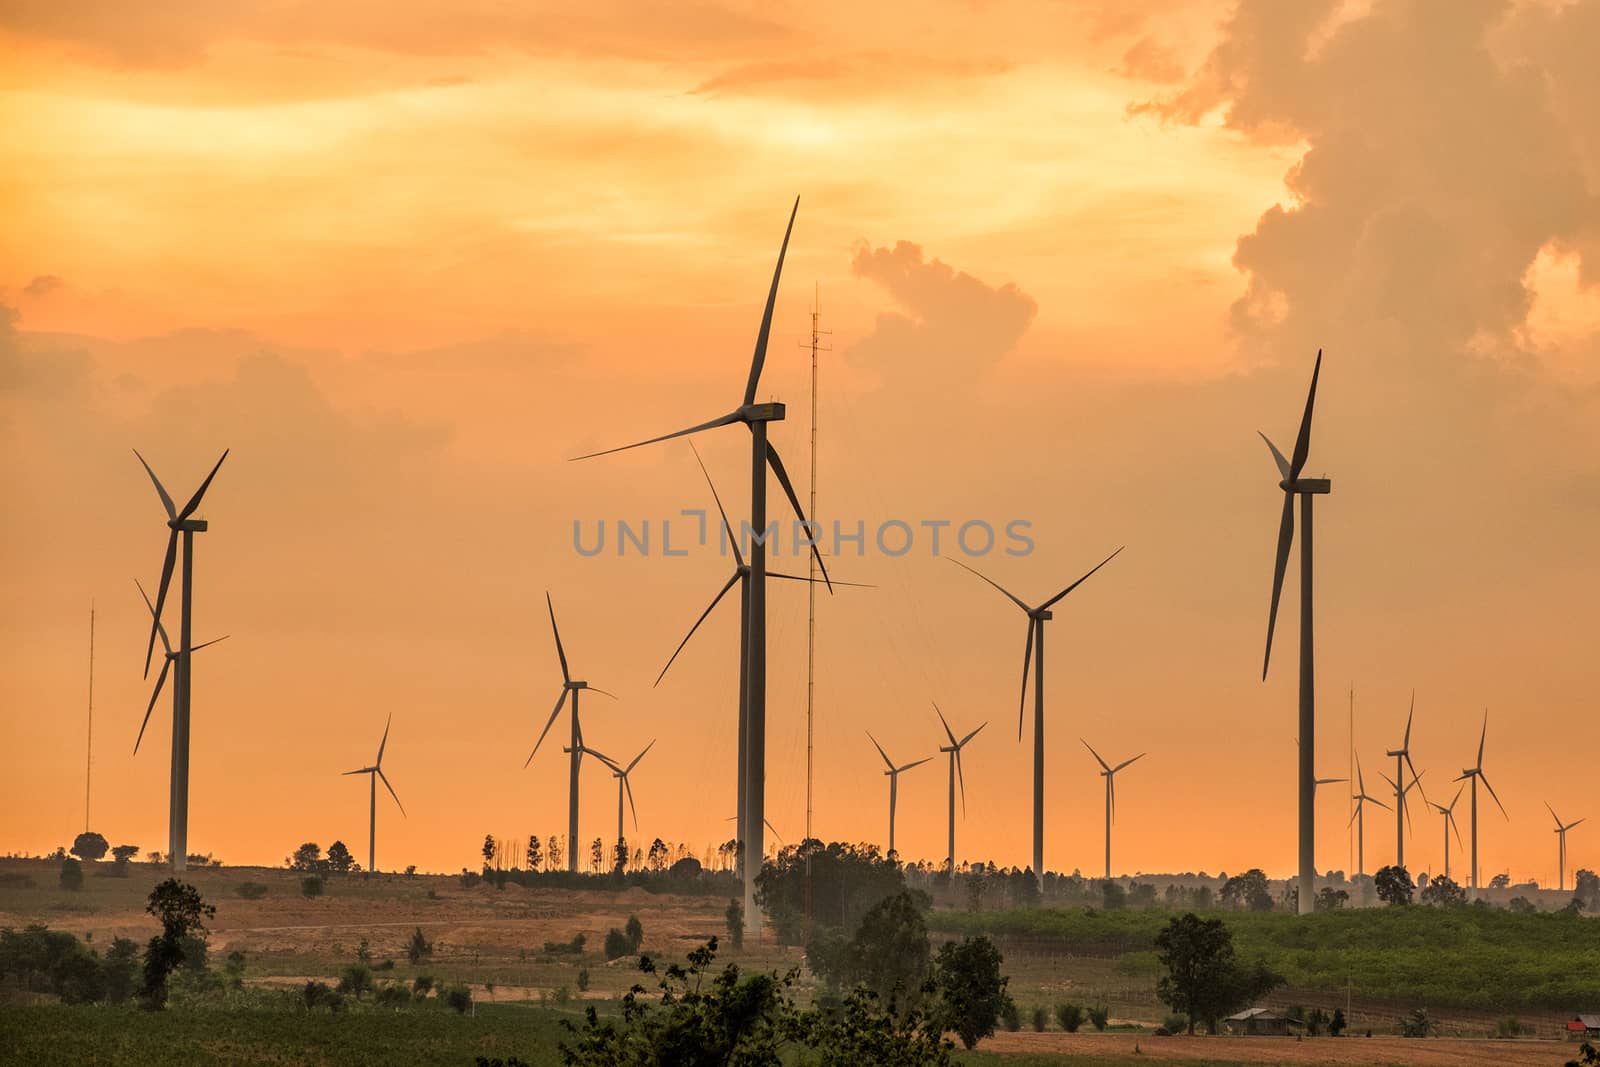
(773, 412)
(1309, 485)
(1044, 614)
(188, 525)
(577, 685)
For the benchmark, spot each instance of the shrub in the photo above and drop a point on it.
(1175, 1024)
(1041, 1019)
(583, 979)
(318, 995)
(392, 995)
(734, 917)
(634, 930)
(1510, 1026)
(616, 944)
(15, 880)
(1099, 1016)
(1010, 1017)
(421, 986)
(418, 948)
(1418, 1024)
(355, 980)
(1337, 1024)
(311, 886)
(250, 890)
(566, 948)
(458, 997)
(1070, 1016)
(71, 874)
(234, 969)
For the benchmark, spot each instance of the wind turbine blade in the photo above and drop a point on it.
(918, 763)
(1080, 581)
(566, 676)
(1375, 800)
(562, 700)
(602, 692)
(819, 581)
(1570, 825)
(384, 743)
(166, 501)
(385, 780)
(1096, 755)
(1277, 457)
(194, 501)
(947, 731)
(1459, 791)
(361, 770)
(603, 758)
(1406, 743)
(162, 630)
(1416, 779)
(1009, 595)
(1408, 819)
(963, 742)
(759, 358)
(1482, 738)
(881, 752)
(1451, 816)
(1142, 755)
(962, 779)
(627, 787)
(640, 756)
(721, 420)
(774, 830)
(161, 598)
(714, 602)
(794, 501)
(1361, 782)
(1027, 657)
(1392, 784)
(1355, 814)
(726, 525)
(161, 679)
(1285, 542)
(1302, 441)
(1482, 778)
(1552, 812)
(211, 642)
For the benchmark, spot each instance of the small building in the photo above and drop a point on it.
(1584, 1025)
(1260, 1022)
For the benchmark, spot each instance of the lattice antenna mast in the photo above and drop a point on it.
(88, 756)
(817, 345)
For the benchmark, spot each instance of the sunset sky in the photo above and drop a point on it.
(407, 259)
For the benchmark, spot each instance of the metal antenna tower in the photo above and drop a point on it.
(88, 756)
(811, 588)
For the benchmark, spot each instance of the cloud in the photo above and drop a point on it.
(851, 76)
(958, 324)
(42, 285)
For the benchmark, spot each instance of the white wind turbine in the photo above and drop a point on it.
(374, 773)
(954, 750)
(894, 783)
(1109, 773)
(1476, 775)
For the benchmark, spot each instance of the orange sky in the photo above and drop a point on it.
(405, 260)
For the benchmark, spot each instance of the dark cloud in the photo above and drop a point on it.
(42, 285)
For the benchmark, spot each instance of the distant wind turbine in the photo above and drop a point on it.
(624, 786)
(741, 577)
(1561, 834)
(1476, 775)
(894, 782)
(178, 522)
(374, 773)
(1402, 809)
(1109, 773)
(1402, 760)
(762, 456)
(568, 687)
(169, 658)
(1037, 617)
(954, 750)
(1305, 488)
(1449, 814)
(1360, 818)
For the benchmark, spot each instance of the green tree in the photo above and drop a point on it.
(1204, 979)
(1248, 890)
(234, 969)
(308, 857)
(1444, 893)
(355, 980)
(1070, 1016)
(1331, 899)
(1393, 886)
(845, 882)
(734, 917)
(418, 948)
(182, 912)
(888, 954)
(634, 930)
(597, 855)
(71, 874)
(339, 859)
(89, 846)
(970, 988)
(121, 969)
(311, 885)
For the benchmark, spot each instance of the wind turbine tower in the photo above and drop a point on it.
(1475, 775)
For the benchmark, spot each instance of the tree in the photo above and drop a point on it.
(658, 855)
(71, 874)
(89, 846)
(597, 855)
(1393, 886)
(1248, 890)
(553, 853)
(1114, 896)
(971, 991)
(1587, 887)
(1500, 881)
(1204, 979)
(124, 853)
(1444, 892)
(339, 859)
(1418, 1024)
(634, 930)
(308, 857)
(734, 917)
(1337, 1024)
(488, 851)
(888, 955)
(181, 911)
(418, 948)
(1521, 906)
(1331, 899)
(845, 882)
(535, 855)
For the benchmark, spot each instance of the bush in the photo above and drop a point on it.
(566, 948)
(583, 979)
(318, 995)
(71, 874)
(1510, 1026)
(458, 997)
(972, 992)
(1070, 1016)
(634, 930)
(617, 944)
(251, 890)
(1010, 1017)
(418, 948)
(1099, 1016)
(311, 886)
(1175, 1024)
(392, 995)
(734, 917)
(1041, 1019)
(1418, 1024)
(355, 980)
(421, 986)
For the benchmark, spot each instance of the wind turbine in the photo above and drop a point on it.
(762, 456)
(178, 522)
(169, 657)
(741, 577)
(374, 773)
(1449, 814)
(954, 749)
(1561, 833)
(568, 687)
(1305, 488)
(1475, 773)
(623, 787)
(1400, 801)
(894, 782)
(1360, 818)
(1037, 617)
(1402, 760)
(1109, 773)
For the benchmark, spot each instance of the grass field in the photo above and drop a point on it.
(1470, 968)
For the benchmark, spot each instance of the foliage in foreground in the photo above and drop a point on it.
(1204, 979)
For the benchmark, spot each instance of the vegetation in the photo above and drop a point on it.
(251, 890)
(888, 955)
(1070, 1016)
(418, 948)
(90, 846)
(71, 874)
(181, 912)
(971, 992)
(1393, 886)
(846, 881)
(1204, 979)
(1444, 893)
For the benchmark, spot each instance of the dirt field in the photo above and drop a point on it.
(1433, 1052)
